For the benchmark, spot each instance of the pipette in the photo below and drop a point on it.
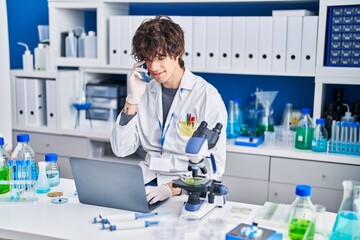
(126, 225)
(123, 217)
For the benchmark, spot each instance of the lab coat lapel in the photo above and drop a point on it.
(156, 90)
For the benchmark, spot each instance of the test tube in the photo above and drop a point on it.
(337, 135)
(333, 125)
(11, 165)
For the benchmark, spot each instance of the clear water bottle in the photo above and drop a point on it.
(71, 44)
(42, 184)
(232, 129)
(238, 114)
(302, 215)
(304, 130)
(319, 140)
(91, 45)
(4, 168)
(23, 151)
(52, 169)
(81, 45)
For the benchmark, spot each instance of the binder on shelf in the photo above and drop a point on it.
(115, 34)
(21, 107)
(36, 102)
(309, 42)
(212, 43)
(225, 43)
(293, 49)
(265, 43)
(279, 44)
(186, 22)
(238, 44)
(199, 43)
(293, 12)
(251, 43)
(51, 113)
(125, 40)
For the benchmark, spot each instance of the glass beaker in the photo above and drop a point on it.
(347, 223)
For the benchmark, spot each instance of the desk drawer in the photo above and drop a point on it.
(62, 145)
(319, 174)
(247, 166)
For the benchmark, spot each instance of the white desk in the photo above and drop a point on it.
(73, 220)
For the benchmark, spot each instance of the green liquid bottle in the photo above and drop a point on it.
(4, 168)
(302, 215)
(304, 130)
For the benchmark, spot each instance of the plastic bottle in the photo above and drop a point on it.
(40, 57)
(238, 113)
(304, 130)
(81, 45)
(320, 137)
(251, 115)
(347, 117)
(71, 45)
(91, 45)
(42, 184)
(302, 215)
(52, 169)
(23, 151)
(27, 58)
(233, 129)
(4, 168)
(287, 117)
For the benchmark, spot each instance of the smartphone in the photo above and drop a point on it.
(146, 76)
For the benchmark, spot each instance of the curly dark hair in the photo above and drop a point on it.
(158, 37)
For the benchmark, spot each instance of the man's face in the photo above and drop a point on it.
(163, 68)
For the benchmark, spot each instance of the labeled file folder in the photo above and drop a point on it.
(199, 47)
(212, 43)
(265, 43)
(115, 34)
(186, 22)
(279, 44)
(251, 43)
(225, 43)
(21, 97)
(293, 49)
(238, 44)
(309, 42)
(36, 108)
(51, 113)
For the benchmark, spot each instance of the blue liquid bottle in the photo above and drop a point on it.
(320, 136)
(233, 127)
(52, 169)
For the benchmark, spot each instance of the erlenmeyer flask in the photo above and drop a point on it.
(347, 223)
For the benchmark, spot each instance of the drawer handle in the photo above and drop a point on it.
(276, 194)
(47, 145)
(323, 175)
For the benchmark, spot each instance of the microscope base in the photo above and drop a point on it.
(204, 209)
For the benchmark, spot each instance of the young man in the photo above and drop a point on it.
(162, 115)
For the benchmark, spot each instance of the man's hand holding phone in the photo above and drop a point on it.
(136, 84)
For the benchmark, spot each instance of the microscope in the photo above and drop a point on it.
(199, 186)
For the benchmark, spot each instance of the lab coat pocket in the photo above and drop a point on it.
(186, 128)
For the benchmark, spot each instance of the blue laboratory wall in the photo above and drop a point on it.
(24, 16)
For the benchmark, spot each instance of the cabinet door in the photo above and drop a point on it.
(246, 190)
(247, 166)
(285, 193)
(316, 174)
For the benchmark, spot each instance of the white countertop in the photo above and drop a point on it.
(73, 220)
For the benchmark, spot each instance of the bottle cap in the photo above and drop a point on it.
(23, 138)
(91, 33)
(1, 141)
(305, 110)
(51, 157)
(303, 190)
(320, 121)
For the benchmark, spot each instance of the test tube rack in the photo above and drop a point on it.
(18, 191)
(345, 138)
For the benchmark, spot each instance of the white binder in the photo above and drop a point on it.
(21, 107)
(238, 44)
(125, 41)
(115, 33)
(186, 22)
(279, 44)
(212, 43)
(251, 43)
(51, 113)
(225, 43)
(36, 102)
(199, 43)
(293, 49)
(265, 43)
(309, 42)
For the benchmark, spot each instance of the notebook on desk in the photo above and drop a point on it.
(110, 184)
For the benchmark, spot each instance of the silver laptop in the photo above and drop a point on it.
(110, 184)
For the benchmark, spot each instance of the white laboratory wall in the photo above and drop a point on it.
(5, 107)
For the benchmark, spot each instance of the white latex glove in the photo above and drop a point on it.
(159, 193)
(136, 86)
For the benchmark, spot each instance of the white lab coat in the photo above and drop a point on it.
(195, 96)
